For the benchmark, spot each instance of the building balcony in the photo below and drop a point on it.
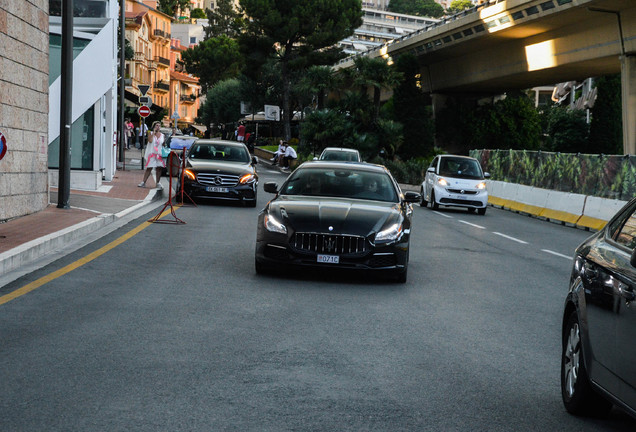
(151, 65)
(140, 57)
(162, 86)
(189, 99)
(160, 33)
(162, 61)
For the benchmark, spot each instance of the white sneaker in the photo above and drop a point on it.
(142, 184)
(159, 186)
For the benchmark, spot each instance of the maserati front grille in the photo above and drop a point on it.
(328, 244)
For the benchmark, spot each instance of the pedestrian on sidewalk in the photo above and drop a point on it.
(129, 128)
(153, 155)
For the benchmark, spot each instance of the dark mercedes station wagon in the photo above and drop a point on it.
(598, 361)
(336, 215)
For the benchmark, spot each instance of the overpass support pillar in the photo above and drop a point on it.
(628, 90)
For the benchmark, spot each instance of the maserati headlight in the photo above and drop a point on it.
(247, 178)
(273, 225)
(392, 233)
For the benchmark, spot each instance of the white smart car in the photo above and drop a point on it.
(456, 181)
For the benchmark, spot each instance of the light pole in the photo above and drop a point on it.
(66, 106)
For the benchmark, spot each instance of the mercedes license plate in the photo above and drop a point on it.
(330, 259)
(216, 189)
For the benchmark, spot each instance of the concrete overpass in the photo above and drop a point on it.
(519, 44)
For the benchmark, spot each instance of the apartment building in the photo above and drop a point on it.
(24, 92)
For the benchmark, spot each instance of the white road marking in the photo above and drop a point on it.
(442, 214)
(510, 238)
(556, 253)
(472, 224)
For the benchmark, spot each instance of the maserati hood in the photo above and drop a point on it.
(334, 216)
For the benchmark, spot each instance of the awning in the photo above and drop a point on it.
(201, 129)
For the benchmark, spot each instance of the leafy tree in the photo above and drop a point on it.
(460, 5)
(411, 107)
(224, 20)
(172, 7)
(221, 102)
(375, 73)
(297, 35)
(606, 128)
(213, 60)
(321, 128)
(566, 130)
(426, 8)
(198, 13)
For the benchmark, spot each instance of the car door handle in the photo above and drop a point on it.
(626, 292)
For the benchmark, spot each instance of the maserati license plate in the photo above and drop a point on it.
(330, 259)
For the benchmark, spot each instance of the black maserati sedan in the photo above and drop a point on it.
(336, 215)
(599, 321)
(220, 170)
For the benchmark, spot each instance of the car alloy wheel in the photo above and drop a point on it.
(578, 395)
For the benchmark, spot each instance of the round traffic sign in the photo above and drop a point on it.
(144, 111)
(3, 146)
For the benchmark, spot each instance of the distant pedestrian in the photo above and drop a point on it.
(142, 130)
(288, 155)
(240, 132)
(129, 130)
(153, 155)
(223, 132)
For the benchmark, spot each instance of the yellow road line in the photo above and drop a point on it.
(80, 262)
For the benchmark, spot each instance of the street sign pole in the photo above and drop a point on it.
(66, 107)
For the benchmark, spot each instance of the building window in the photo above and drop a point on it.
(193, 40)
(55, 54)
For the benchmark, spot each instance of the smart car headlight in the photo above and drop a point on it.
(481, 185)
(442, 181)
(273, 225)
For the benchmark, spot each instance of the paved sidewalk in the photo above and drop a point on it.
(45, 236)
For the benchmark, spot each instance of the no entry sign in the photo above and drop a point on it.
(3, 146)
(144, 111)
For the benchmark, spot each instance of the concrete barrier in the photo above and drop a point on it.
(583, 211)
(598, 211)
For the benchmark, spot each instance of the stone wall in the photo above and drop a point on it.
(24, 87)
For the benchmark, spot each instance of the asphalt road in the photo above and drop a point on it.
(172, 330)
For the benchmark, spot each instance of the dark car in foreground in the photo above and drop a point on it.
(340, 215)
(599, 321)
(220, 170)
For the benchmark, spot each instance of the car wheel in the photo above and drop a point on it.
(434, 204)
(250, 203)
(482, 211)
(401, 276)
(423, 202)
(578, 395)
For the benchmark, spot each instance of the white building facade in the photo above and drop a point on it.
(94, 115)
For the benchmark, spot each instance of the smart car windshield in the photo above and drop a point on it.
(460, 168)
(338, 182)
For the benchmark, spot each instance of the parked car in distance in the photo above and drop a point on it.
(337, 215)
(339, 154)
(456, 181)
(599, 321)
(175, 144)
(220, 170)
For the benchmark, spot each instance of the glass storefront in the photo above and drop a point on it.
(82, 143)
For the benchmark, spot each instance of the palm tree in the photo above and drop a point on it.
(376, 73)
